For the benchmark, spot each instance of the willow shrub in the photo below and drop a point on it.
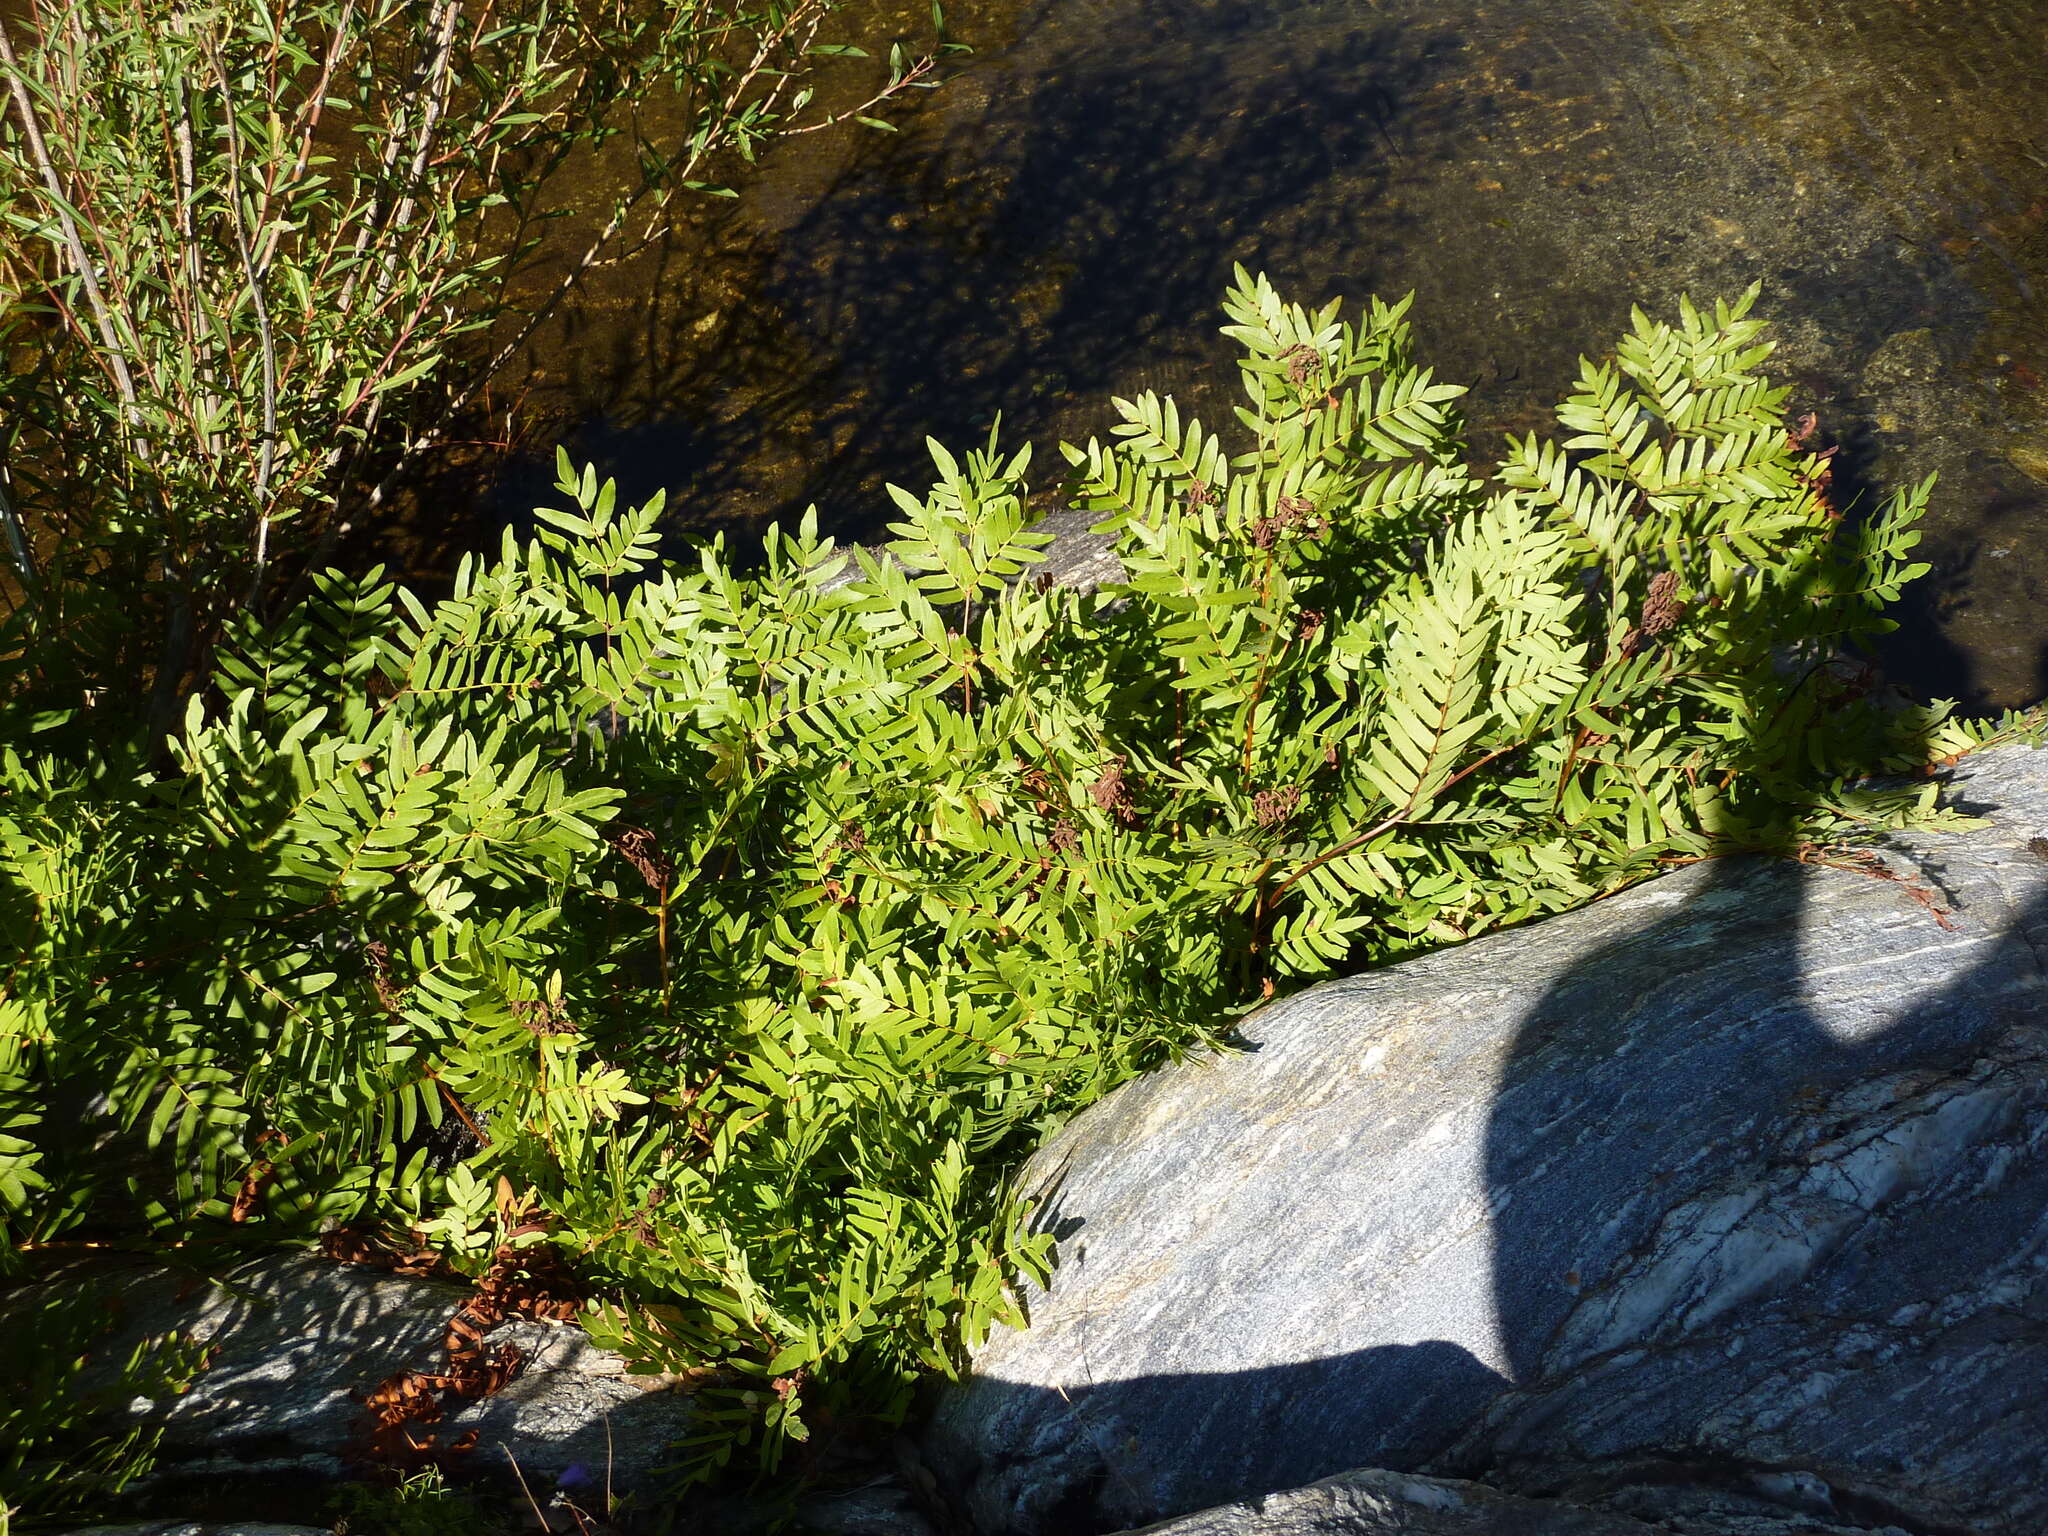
(255, 256)
(759, 924)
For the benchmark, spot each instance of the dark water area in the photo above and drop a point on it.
(1057, 224)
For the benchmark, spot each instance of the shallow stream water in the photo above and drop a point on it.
(1057, 224)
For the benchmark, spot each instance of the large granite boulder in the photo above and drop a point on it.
(1742, 1169)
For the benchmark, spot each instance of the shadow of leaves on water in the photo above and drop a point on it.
(1057, 229)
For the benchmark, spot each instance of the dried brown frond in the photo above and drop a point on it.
(533, 1282)
(1662, 609)
(521, 1283)
(1860, 861)
(1803, 433)
(1111, 791)
(359, 1245)
(390, 996)
(640, 848)
(1302, 360)
(541, 1016)
(1290, 515)
(249, 1197)
(1271, 807)
(1043, 789)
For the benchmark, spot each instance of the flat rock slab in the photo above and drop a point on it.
(1377, 1503)
(297, 1341)
(1743, 1167)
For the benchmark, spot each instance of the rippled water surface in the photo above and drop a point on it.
(1057, 224)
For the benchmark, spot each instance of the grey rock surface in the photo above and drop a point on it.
(1744, 1167)
(297, 1339)
(883, 1509)
(1377, 1503)
(1076, 557)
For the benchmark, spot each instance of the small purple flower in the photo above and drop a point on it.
(576, 1478)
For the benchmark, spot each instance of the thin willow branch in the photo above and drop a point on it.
(675, 173)
(74, 243)
(423, 139)
(186, 177)
(19, 549)
(307, 124)
(883, 97)
(266, 339)
(387, 164)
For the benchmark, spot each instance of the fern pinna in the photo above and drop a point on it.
(751, 927)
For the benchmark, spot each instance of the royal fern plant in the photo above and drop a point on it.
(739, 933)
